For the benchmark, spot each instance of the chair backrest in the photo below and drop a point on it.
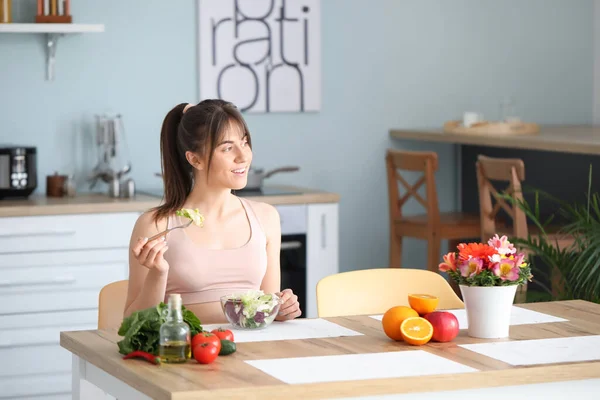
(511, 170)
(415, 161)
(111, 304)
(374, 291)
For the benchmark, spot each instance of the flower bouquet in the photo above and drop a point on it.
(488, 276)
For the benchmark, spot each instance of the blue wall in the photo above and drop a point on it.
(385, 64)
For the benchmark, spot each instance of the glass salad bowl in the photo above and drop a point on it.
(250, 310)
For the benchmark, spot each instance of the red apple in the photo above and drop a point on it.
(445, 325)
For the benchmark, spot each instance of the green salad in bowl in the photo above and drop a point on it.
(253, 309)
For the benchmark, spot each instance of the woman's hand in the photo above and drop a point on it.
(150, 254)
(290, 308)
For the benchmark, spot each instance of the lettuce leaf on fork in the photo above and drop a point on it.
(193, 214)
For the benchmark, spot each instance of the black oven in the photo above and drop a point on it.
(293, 266)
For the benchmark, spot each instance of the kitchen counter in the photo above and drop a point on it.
(86, 203)
(580, 139)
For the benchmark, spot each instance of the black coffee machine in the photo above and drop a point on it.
(18, 171)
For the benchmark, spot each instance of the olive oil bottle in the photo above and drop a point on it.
(174, 344)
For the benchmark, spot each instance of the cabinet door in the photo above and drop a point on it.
(322, 250)
(66, 232)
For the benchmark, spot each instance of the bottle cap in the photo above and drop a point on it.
(175, 300)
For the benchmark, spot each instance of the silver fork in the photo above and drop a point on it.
(169, 230)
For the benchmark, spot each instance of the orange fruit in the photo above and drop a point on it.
(416, 330)
(393, 318)
(423, 303)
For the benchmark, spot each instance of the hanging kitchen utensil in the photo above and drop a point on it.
(113, 157)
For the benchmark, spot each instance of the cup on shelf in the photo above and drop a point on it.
(471, 117)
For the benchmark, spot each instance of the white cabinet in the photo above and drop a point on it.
(322, 250)
(51, 271)
(319, 223)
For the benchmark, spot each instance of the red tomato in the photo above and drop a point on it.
(206, 337)
(223, 334)
(205, 353)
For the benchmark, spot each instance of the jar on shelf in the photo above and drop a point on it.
(5, 11)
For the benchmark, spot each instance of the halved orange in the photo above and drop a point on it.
(423, 303)
(393, 318)
(416, 330)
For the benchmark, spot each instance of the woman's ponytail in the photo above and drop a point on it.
(176, 171)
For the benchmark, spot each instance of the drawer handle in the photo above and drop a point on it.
(59, 280)
(29, 234)
(291, 245)
(11, 345)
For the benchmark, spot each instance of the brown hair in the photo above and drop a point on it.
(199, 130)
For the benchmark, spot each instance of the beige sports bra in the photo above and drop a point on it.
(203, 275)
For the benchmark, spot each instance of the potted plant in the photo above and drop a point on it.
(488, 275)
(574, 270)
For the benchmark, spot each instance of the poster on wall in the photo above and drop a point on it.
(262, 55)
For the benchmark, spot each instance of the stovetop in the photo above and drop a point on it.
(266, 191)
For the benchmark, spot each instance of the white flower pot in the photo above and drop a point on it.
(488, 310)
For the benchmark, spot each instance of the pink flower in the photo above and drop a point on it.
(519, 260)
(502, 245)
(471, 267)
(449, 263)
(506, 269)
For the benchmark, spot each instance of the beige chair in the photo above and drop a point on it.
(433, 225)
(111, 304)
(374, 291)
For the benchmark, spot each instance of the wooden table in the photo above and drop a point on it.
(96, 359)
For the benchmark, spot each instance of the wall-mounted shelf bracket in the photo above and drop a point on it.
(51, 43)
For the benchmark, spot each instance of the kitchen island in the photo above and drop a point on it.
(576, 139)
(368, 362)
(557, 160)
(57, 253)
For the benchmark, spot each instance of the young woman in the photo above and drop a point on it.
(206, 152)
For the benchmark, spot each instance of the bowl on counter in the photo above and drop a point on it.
(252, 309)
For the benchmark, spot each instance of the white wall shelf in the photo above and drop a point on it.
(51, 28)
(52, 32)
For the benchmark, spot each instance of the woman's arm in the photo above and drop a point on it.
(269, 219)
(148, 270)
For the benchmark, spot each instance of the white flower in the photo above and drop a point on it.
(495, 258)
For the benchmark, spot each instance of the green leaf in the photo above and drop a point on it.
(141, 330)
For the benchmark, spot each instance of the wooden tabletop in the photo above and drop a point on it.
(85, 203)
(229, 377)
(582, 139)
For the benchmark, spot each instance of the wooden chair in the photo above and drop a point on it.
(111, 304)
(432, 226)
(374, 291)
(509, 170)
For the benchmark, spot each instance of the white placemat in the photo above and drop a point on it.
(350, 367)
(541, 351)
(288, 330)
(518, 316)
